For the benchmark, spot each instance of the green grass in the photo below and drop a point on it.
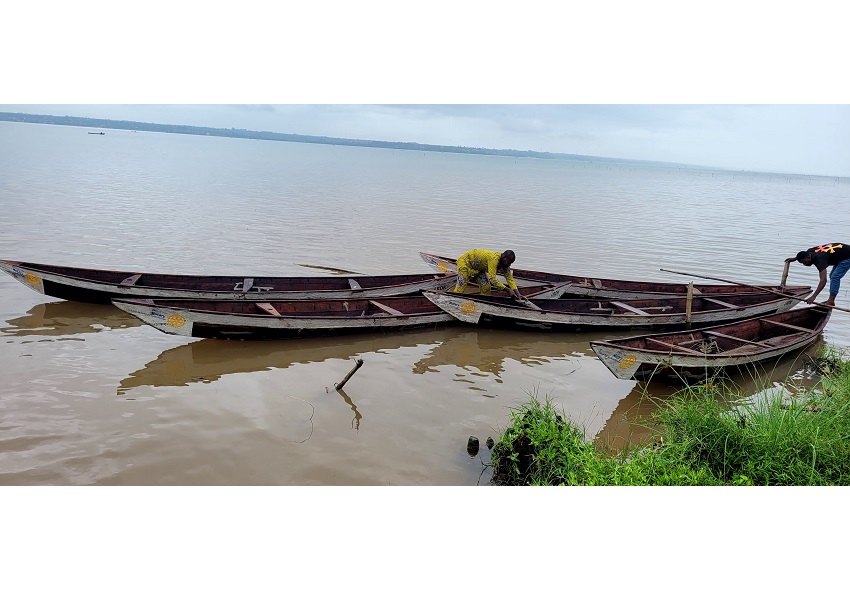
(705, 435)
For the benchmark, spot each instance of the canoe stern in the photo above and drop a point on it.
(461, 308)
(32, 280)
(622, 363)
(167, 320)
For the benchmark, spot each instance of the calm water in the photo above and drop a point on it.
(90, 396)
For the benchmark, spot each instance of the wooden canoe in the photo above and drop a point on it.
(100, 286)
(591, 287)
(571, 314)
(699, 353)
(245, 319)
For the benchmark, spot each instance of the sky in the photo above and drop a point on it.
(809, 139)
(721, 85)
(745, 87)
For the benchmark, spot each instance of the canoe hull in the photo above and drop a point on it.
(696, 354)
(200, 324)
(282, 319)
(588, 287)
(100, 286)
(576, 315)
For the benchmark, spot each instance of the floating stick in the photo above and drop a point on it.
(339, 385)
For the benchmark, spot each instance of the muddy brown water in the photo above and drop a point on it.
(91, 396)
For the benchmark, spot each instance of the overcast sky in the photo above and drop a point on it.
(811, 139)
(753, 86)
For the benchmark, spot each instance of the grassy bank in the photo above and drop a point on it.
(705, 436)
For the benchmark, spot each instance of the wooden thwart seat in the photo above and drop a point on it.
(132, 279)
(268, 308)
(737, 339)
(386, 308)
(720, 302)
(625, 306)
(675, 347)
(788, 325)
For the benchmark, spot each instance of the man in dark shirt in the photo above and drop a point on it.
(837, 255)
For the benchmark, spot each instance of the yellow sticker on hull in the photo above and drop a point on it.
(628, 361)
(176, 321)
(467, 307)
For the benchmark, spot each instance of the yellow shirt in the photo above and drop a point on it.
(486, 261)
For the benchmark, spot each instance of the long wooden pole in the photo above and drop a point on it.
(785, 274)
(755, 287)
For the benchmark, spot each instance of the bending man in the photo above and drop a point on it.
(482, 266)
(835, 255)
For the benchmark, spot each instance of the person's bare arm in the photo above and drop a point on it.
(821, 285)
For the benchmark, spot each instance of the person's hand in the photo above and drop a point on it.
(810, 299)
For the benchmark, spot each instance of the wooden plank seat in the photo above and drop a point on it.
(675, 347)
(788, 325)
(625, 306)
(132, 279)
(721, 302)
(268, 308)
(737, 339)
(745, 350)
(386, 308)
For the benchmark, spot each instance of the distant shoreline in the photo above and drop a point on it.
(312, 139)
(315, 139)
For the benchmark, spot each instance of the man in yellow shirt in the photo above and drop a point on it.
(482, 266)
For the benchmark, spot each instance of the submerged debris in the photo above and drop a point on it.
(472, 445)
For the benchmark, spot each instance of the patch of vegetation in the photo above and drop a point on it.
(705, 436)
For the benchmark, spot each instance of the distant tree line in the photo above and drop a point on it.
(292, 137)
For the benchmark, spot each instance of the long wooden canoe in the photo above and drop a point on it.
(245, 319)
(100, 286)
(704, 352)
(591, 287)
(577, 314)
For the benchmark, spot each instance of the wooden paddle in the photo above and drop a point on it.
(754, 286)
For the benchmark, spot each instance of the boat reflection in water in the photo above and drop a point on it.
(486, 350)
(631, 421)
(207, 360)
(69, 318)
(609, 408)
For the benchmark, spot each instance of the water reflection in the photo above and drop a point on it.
(68, 318)
(486, 350)
(355, 420)
(631, 422)
(207, 360)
